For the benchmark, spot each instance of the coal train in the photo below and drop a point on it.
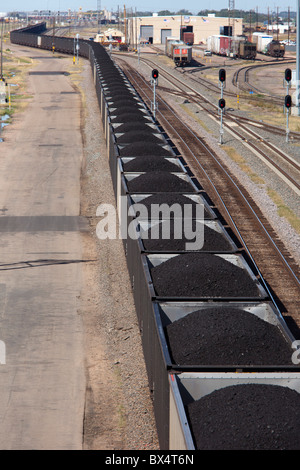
(218, 352)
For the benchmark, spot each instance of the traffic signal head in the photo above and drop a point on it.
(222, 103)
(288, 75)
(155, 74)
(222, 75)
(288, 101)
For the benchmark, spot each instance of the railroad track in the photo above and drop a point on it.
(273, 262)
(285, 166)
(182, 88)
(242, 76)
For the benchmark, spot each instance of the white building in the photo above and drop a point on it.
(281, 28)
(156, 28)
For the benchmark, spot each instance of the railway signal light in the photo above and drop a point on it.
(222, 75)
(155, 74)
(288, 105)
(222, 103)
(288, 101)
(288, 75)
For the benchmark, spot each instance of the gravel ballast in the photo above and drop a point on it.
(247, 417)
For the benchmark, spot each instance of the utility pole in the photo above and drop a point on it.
(98, 14)
(53, 36)
(231, 7)
(1, 71)
(298, 60)
(125, 25)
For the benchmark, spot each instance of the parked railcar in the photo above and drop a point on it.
(246, 50)
(232, 47)
(276, 49)
(182, 55)
(180, 52)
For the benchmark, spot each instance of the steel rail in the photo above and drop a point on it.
(284, 174)
(202, 144)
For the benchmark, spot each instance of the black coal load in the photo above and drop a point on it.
(213, 241)
(246, 417)
(142, 149)
(133, 126)
(112, 77)
(127, 109)
(170, 199)
(138, 136)
(126, 101)
(118, 81)
(202, 275)
(224, 335)
(110, 90)
(150, 163)
(129, 95)
(132, 115)
(159, 181)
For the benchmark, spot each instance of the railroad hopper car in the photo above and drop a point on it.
(180, 52)
(217, 349)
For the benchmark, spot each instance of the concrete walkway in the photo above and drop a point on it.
(42, 392)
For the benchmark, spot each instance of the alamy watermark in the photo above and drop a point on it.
(296, 354)
(161, 219)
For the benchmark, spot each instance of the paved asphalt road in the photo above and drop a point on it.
(42, 390)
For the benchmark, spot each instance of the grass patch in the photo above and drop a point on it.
(15, 71)
(241, 162)
(283, 210)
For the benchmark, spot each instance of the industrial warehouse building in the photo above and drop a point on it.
(154, 29)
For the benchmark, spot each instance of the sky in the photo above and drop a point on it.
(193, 6)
